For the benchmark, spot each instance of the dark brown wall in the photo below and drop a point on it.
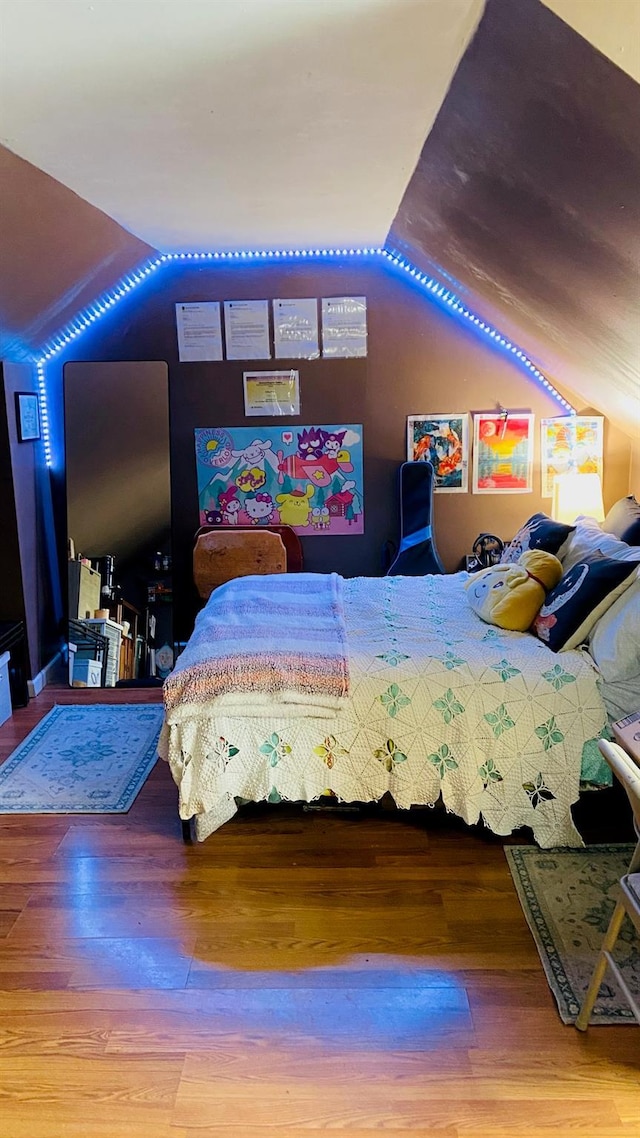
(527, 193)
(57, 253)
(420, 360)
(27, 552)
(11, 592)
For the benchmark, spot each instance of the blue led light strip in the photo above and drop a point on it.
(276, 254)
(429, 285)
(450, 300)
(83, 320)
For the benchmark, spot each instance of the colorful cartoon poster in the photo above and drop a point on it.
(310, 478)
(443, 440)
(503, 453)
(573, 442)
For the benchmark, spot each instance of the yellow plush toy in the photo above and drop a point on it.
(511, 595)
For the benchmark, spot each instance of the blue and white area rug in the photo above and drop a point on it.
(82, 760)
(568, 897)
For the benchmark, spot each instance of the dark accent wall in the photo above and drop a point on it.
(420, 360)
(527, 194)
(28, 566)
(11, 593)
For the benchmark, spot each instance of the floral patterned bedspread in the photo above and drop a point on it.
(442, 704)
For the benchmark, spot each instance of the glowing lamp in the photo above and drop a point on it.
(575, 494)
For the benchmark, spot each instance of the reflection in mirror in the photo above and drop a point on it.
(118, 523)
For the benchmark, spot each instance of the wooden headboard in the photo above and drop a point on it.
(224, 552)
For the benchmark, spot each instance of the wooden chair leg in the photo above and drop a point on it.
(187, 832)
(608, 943)
(634, 864)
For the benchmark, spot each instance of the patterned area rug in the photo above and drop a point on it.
(568, 897)
(82, 760)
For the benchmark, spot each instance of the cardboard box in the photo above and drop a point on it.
(84, 590)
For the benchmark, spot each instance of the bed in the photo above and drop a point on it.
(295, 687)
(439, 705)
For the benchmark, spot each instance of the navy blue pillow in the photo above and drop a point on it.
(586, 591)
(540, 532)
(623, 520)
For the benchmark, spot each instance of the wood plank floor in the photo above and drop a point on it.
(295, 972)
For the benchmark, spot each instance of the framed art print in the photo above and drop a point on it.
(444, 441)
(571, 442)
(503, 453)
(27, 416)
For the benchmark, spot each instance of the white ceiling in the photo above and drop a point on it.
(236, 124)
(613, 26)
(231, 123)
(208, 124)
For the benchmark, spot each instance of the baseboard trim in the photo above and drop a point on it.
(41, 680)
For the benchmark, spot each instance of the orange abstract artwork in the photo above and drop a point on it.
(503, 453)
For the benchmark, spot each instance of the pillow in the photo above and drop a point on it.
(579, 599)
(623, 520)
(589, 541)
(540, 532)
(615, 639)
(620, 698)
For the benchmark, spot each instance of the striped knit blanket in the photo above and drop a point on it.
(265, 645)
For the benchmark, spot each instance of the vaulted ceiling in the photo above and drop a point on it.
(137, 124)
(209, 124)
(527, 195)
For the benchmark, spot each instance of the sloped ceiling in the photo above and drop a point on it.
(208, 124)
(57, 254)
(613, 26)
(527, 194)
(258, 123)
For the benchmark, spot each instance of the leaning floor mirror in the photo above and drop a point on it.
(118, 523)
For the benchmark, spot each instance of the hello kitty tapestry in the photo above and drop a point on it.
(309, 478)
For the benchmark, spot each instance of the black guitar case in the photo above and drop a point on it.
(417, 554)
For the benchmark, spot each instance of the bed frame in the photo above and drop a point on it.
(224, 552)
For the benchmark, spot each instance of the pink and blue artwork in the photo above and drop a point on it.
(309, 478)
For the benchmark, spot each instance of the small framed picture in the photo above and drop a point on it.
(503, 452)
(27, 416)
(444, 441)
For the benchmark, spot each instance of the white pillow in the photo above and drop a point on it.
(621, 698)
(588, 540)
(615, 638)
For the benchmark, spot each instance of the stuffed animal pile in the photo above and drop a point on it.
(511, 595)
